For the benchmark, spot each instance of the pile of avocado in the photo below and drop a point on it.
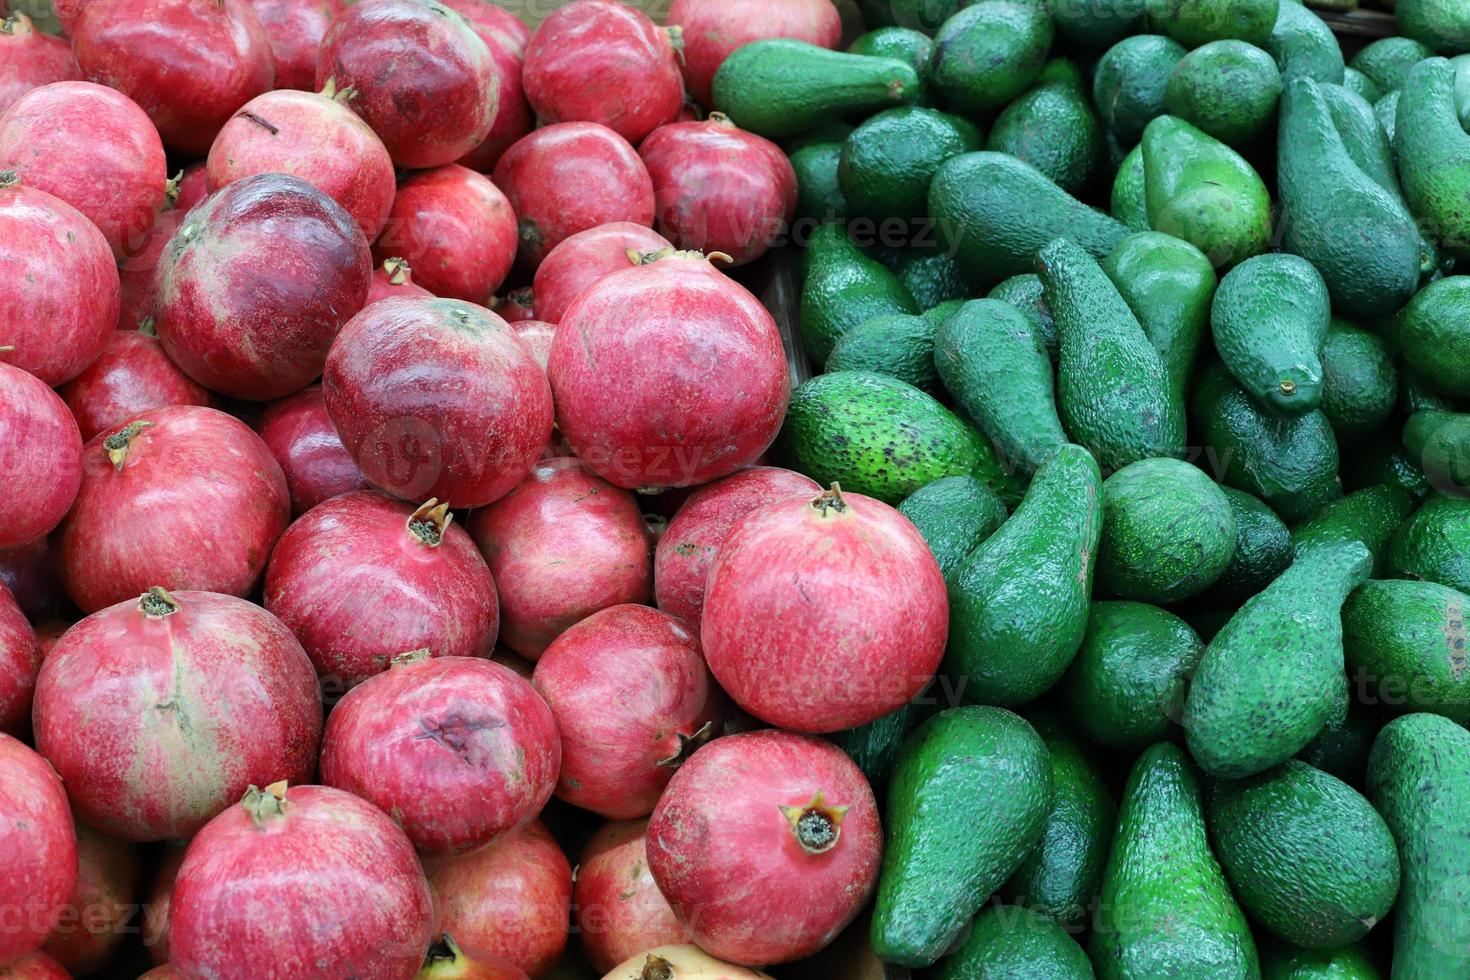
(1146, 313)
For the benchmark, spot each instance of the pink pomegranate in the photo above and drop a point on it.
(619, 909)
(515, 306)
(189, 63)
(300, 436)
(711, 29)
(255, 284)
(62, 295)
(766, 845)
(682, 962)
(34, 966)
(425, 82)
(20, 659)
(30, 59)
(510, 899)
(637, 88)
(393, 278)
(447, 960)
(436, 398)
(536, 335)
(160, 898)
(671, 418)
(132, 375)
(29, 572)
(569, 177)
(362, 578)
(687, 549)
(40, 458)
(184, 497)
(314, 136)
(506, 37)
(100, 913)
(296, 29)
(456, 228)
(38, 849)
(310, 880)
(583, 258)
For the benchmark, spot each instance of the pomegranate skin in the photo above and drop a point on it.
(30, 59)
(62, 293)
(34, 966)
(29, 572)
(296, 29)
(188, 63)
(100, 912)
(506, 37)
(196, 501)
(638, 86)
(568, 177)
(20, 659)
(619, 909)
(192, 187)
(640, 371)
(515, 306)
(132, 375)
(688, 547)
(725, 850)
(536, 335)
(436, 398)
(460, 752)
(425, 82)
(456, 228)
(40, 458)
(394, 277)
(316, 883)
(686, 961)
(255, 284)
(314, 136)
(38, 848)
(582, 259)
(300, 436)
(712, 29)
(562, 544)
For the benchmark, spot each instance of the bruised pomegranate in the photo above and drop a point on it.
(436, 398)
(38, 849)
(711, 29)
(583, 258)
(40, 458)
(506, 37)
(456, 228)
(160, 898)
(30, 59)
(447, 960)
(619, 909)
(766, 844)
(132, 375)
(569, 177)
(641, 371)
(684, 962)
(311, 881)
(99, 915)
(20, 658)
(300, 436)
(183, 497)
(29, 572)
(536, 335)
(393, 278)
(189, 63)
(425, 82)
(296, 29)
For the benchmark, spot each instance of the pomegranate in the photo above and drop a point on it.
(190, 186)
(569, 177)
(160, 898)
(183, 497)
(515, 306)
(256, 283)
(688, 547)
(48, 632)
(393, 278)
(632, 699)
(189, 63)
(296, 29)
(641, 368)
(456, 228)
(425, 82)
(61, 296)
(300, 436)
(310, 880)
(20, 658)
(536, 335)
(38, 849)
(100, 913)
(683, 962)
(137, 271)
(166, 971)
(314, 136)
(583, 258)
(766, 845)
(30, 59)
(29, 572)
(506, 37)
(132, 375)
(34, 966)
(711, 29)
(619, 909)
(510, 899)
(460, 751)
(637, 87)
(446, 960)
(436, 398)
(40, 458)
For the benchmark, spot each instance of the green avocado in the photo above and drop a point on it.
(955, 514)
(1304, 46)
(931, 276)
(844, 288)
(918, 15)
(818, 195)
(1282, 962)
(1439, 444)
(1228, 89)
(1198, 189)
(1129, 201)
(1359, 381)
(1433, 335)
(1198, 22)
(1262, 550)
(1343, 751)
(898, 345)
(1369, 516)
(1269, 321)
(1406, 641)
(1026, 294)
(1386, 62)
(989, 53)
(1168, 284)
(1434, 154)
(1130, 80)
(1441, 25)
(890, 158)
(1434, 543)
(1053, 128)
(1361, 85)
(913, 48)
(1008, 941)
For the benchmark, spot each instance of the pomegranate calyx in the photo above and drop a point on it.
(719, 119)
(11, 22)
(331, 91)
(6, 348)
(411, 657)
(674, 34)
(171, 189)
(147, 327)
(830, 502)
(656, 968)
(120, 442)
(430, 521)
(397, 270)
(648, 258)
(688, 745)
(156, 603)
(815, 826)
(265, 804)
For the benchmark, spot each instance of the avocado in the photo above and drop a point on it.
(1168, 284)
(1129, 82)
(1434, 335)
(1282, 962)
(913, 48)
(1439, 442)
(1262, 550)
(1416, 396)
(918, 15)
(1387, 111)
(955, 514)
(1304, 46)
(1269, 321)
(898, 345)
(875, 746)
(989, 53)
(939, 315)
(1198, 22)
(1441, 25)
(1008, 941)
(1228, 89)
(1359, 381)
(818, 195)
(931, 276)
(1434, 543)
(1382, 459)
(1434, 153)
(890, 158)
(1361, 85)
(1362, 137)
(1129, 202)
(1090, 28)
(1026, 294)
(1407, 641)
(1053, 128)
(843, 288)
(1387, 61)
(1198, 189)
(1369, 516)
(1343, 751)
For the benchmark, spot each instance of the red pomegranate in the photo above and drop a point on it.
(138, 271)
(394, 277)
(536, 335)
(100, 913)
(641, 371)
(160, 899)
(425, 81)
(132, 375)
(436, 398)
(516, 306)
(190, 186)
(29, 572)
(296, 29)
(632, 699)
(310, 880)
(460, 751)
(38, 849)
(314, 136)
(447, 960)
(506, 36)
(456, 228)
(34, 966)
(300, 436)
(637, 87)
(619, 909)
(255, 284)
(569, 177)
(583, 258)
(62, 296)
(712, 29)
(687, 549)
(40, 458)
(20, 658)
(766, 845)
(510, 899)
(30, 59)
(48, 632)
(189, 63)
(184, 497)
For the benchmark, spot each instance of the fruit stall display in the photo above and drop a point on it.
(906, 489)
